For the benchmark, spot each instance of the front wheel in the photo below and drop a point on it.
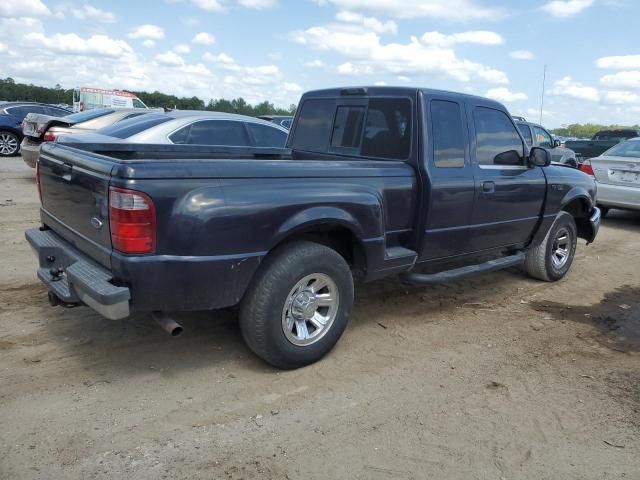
(298, 305)
(552, 259)
(9, 144)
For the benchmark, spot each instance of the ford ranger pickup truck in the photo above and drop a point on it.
(429, 186)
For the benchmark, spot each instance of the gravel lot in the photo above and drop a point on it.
(496, 377)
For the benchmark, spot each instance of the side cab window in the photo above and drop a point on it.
(497, 140)
(526, 133)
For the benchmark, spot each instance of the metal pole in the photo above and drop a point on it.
(544, 79)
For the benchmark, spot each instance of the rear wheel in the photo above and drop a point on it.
(9, 144)
(298, 305)
(552, 259)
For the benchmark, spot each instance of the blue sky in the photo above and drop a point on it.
(276, 49)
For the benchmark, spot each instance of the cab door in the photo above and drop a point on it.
(450, 188)
(509, 195)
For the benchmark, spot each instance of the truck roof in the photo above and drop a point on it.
(391, 91)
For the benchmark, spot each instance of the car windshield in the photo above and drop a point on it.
(88, 115)
(132, 126)
(629, 148)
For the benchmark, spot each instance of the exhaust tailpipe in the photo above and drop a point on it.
(167, 323)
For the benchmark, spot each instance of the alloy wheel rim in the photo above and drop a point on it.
(561, 248)
(8, 144)
(310, 309)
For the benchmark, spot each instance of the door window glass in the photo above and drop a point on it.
(265, 136)
(448, 136)
(497, 142)
(543, 139)
(526, 133)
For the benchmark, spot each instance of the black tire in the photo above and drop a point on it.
(540, 262)
(9, 143)
(262, 309)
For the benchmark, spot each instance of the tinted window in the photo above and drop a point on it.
(313, 127)
(347, 128)
(448, 136)
(629, 148)
(24, 110)
(265, 136)
(497, 142)
(543, 138)
(56, 112)
(387, 131)
(138, 104)
(212, 132)
(88, 115)
(526, 133)
(286, 123)
(132, 126)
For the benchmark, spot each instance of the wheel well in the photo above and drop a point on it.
(339, 238)
(579, 210)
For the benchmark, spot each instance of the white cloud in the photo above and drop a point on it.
(147, 31)
(203, 38)
(620, 97)
(365, 52)
(182, 48)
(314, 64)
(210, 5)
(381, 83)
(292, 87)
(566, 8)
(23, 8)
(521, 55)
(441, 9)
(258, 4)
(566, 87)
(89, 12)
(622, 80)
(70, 43)
(349, 68)
(149, 43)
(620, 62)
(170, 59)
(505, 95)
(370, 23)
(479, 37)
(402, 78)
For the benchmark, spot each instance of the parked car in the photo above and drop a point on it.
(380, 181)
(617, 173)
(282, 120)
(38, 128)
(537, 136)
(191, 127)
(11, 116)
(600, 143)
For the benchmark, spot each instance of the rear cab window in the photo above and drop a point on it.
(377, 127)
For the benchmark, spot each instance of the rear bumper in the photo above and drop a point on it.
(74, 278)
(619, 196)
(29, 152)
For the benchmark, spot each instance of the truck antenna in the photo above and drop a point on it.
(544, 79)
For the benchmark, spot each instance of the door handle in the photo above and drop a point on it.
(488, 187)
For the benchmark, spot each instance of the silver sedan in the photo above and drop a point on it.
(192, 128)
(617, 172)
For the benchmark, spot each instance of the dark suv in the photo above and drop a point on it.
(537, 136)
(11, 116)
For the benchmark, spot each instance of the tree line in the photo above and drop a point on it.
(12, 91)
(587, 130)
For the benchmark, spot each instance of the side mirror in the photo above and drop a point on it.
(557, 143)
(539, 157)
(510, 157)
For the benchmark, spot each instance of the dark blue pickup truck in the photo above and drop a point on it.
(429, 186)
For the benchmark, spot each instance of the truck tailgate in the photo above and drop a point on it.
(74, 186)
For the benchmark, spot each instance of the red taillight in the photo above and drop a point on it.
(587, 168)
(132, 217)
(50, 136)
(38, 181)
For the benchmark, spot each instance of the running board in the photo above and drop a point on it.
(458, 273)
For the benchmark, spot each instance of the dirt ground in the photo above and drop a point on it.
(498, 377)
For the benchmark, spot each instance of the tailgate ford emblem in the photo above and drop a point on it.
(96, 222)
